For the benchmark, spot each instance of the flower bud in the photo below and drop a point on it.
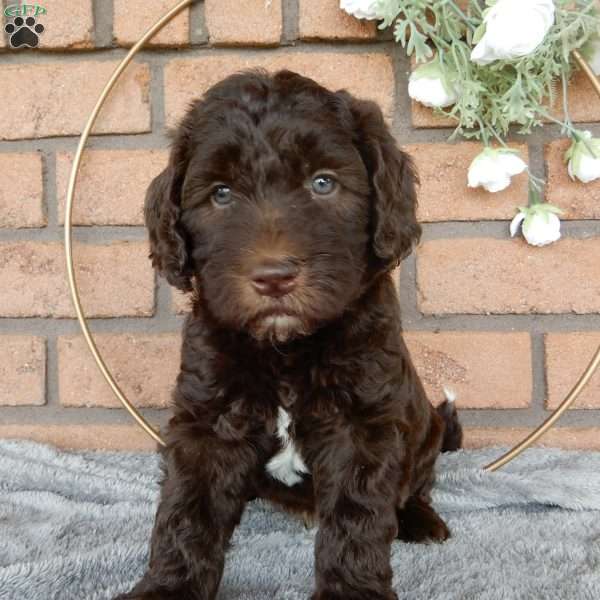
(432, 85)
(582, 164)
(540, 224)
(493, 168)
(511, 29)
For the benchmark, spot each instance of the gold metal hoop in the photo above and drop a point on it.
(532, 437)
(69, 209)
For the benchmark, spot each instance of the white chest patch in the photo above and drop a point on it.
(287, 465)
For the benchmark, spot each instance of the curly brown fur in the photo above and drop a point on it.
(326, 348)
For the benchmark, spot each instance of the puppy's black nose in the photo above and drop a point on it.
(274, 278)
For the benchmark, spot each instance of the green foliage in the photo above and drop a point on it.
(505, 92)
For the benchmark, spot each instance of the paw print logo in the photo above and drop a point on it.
(24, 32)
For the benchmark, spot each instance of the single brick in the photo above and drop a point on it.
(144, 366)
(56, 99)
(83, 437)
(365, 75)
(22, 370)
(577, 200)
(21, 190)
(247, 23)
(567, 356)
(480, 276)
(132, 18)
(115, 279)
(443, 193)
(324, 20)
(483, 369)
(67, 24)
(567, 438)
(111, 185)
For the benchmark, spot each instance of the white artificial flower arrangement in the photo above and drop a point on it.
(494, 66)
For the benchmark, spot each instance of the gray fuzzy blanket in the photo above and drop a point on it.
(76, 526)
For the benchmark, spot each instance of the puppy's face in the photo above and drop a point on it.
(283, 200)
(277, 213)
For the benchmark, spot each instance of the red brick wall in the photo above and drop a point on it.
(507, 326)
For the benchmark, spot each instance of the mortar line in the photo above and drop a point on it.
(402, 115)
(103, 14)
(157, 101)
(485, 417)
(405, 133)
(104, 234)
(538, 379)
(533, 323)
(163, 300)
(52, 388)
(576, 229)
(168, 53)
(537, 163)
(50, 196)
(406, 136)
(198, 33)
(290, 15)
(409, 309)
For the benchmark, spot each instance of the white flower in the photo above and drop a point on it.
(541, 225)
(513, 28)
(492, 169)
(583, 165)
(361, 9)
(432, 86)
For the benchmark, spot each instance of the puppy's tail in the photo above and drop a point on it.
(453, 433)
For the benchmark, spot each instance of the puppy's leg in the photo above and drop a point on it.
(202, 500)
(417, 521)
(357, 483)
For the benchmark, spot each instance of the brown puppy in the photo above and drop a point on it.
(284, 208)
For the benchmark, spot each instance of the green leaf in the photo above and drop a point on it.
(400, 31)
(418, 44)
(478, 34)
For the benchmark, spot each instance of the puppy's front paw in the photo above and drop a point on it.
(418, 522)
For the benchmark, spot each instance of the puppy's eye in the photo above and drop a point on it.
(323, 185)
(221, 196)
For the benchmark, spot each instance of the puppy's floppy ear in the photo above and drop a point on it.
(393, 179)
(162, 209)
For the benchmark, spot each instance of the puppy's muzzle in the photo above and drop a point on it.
(275, 278)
